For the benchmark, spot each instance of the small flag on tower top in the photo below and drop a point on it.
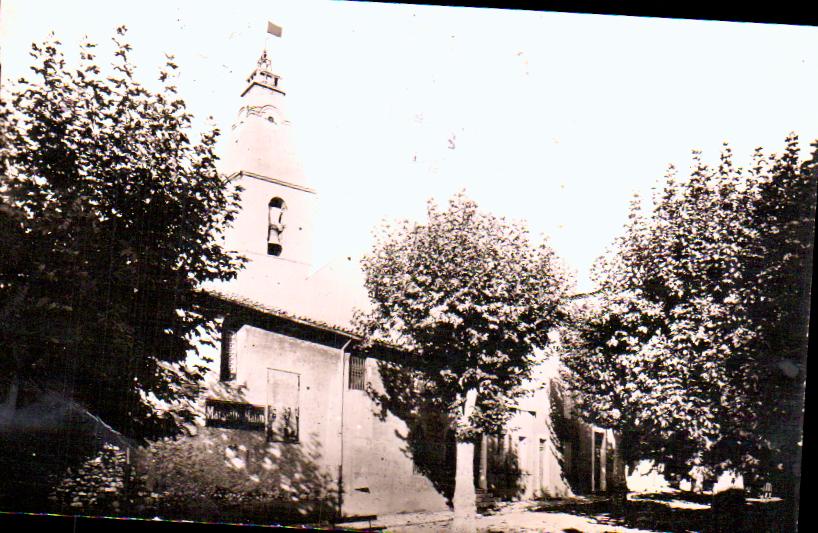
(272, 29)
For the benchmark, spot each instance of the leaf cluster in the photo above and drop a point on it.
(471, 297)
(702, 298)
(113, 216)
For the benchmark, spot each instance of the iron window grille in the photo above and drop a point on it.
(357, 373)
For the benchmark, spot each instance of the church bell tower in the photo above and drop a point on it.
(275, 218)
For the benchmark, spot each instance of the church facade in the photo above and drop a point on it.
(294, 420)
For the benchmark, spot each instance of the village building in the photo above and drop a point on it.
(294, 418)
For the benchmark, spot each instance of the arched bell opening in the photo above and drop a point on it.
(275, 225)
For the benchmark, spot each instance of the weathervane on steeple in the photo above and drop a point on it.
(264, 61)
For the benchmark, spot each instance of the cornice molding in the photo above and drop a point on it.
(268, 179)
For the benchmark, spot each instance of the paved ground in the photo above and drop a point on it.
(527, 521)
(674, 512)
(519, 516)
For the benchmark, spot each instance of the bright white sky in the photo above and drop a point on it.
(554, 118)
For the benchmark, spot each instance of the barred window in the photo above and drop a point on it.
(229, 363)
(357, 373)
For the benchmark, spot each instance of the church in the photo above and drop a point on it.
(294, 420)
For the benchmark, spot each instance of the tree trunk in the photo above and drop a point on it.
(619, 480)
(483, 479)
(464, 500)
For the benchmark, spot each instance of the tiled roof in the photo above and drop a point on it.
(244, 301)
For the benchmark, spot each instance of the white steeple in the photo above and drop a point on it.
(275, 220)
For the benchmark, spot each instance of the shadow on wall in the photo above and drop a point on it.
(236, 476)
(212, 474)
(504, 476)
(429, 440)
(565, 434)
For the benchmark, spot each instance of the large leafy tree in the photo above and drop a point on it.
(693, 348)
(784, 217)
(471, 298)
(113, 216)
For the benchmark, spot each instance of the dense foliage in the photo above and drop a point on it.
(472, 299)
(695, 347)
(99, 485)
(110, 219)
(236, 476)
